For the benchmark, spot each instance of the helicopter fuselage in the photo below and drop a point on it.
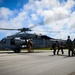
(15, 42)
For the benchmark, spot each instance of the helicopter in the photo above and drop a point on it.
(17, 41)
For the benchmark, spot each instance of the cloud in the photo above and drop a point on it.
(5, 13)
(53, 15)
(69, 4)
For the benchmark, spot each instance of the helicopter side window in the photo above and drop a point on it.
(12, 41)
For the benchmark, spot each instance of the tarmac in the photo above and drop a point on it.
(41, 62)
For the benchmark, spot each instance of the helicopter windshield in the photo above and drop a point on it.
(3, 40)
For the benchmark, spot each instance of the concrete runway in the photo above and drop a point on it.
(38, 63)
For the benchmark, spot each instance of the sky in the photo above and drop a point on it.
(54, 18)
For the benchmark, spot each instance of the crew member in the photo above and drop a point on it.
(30, 46)
(69, 46)
(54, 45)
(60, 47)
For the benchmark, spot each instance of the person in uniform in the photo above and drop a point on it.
(60, 47)
(54, 45)
(30, 46)
(69, 46)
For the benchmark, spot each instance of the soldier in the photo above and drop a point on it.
(60, 47)
(30, 46)
(54, 45)
(69, 46)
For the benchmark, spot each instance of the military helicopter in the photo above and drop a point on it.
(17, 41)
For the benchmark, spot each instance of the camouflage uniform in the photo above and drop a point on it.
(30, 46)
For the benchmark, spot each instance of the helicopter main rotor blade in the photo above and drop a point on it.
(41, 23)
(7, 29)
(47, 31)
(36, 25)
(28, 29)
(21, 29)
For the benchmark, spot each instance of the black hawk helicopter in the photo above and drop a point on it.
(17, 41)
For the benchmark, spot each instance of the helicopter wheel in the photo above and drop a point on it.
(17, 51)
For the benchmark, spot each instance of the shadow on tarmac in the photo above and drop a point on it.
(24, 52)
(64, 56)
(58, 55)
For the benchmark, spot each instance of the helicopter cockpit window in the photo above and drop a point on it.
(3, 41)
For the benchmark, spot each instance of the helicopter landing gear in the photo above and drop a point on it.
(16, 50)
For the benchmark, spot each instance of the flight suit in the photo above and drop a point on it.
(54, 47)
(60, 47)
(69, 46)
